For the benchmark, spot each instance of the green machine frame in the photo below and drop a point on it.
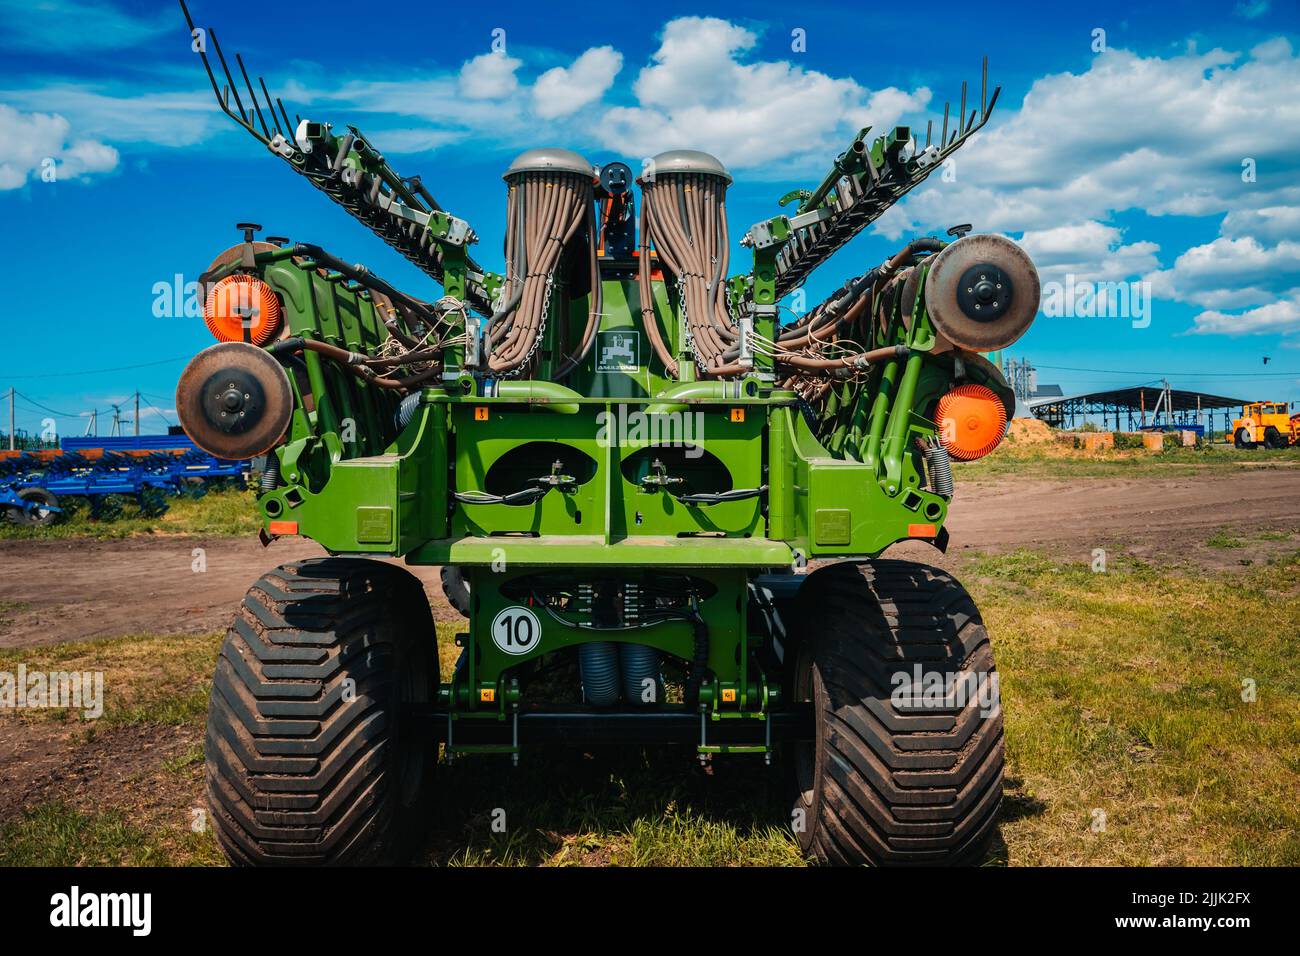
(573, 495)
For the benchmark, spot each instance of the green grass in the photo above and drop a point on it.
(1053, 461)
(147, 680)
(183, 762)
(56, 834)
(1221, 539)
(1122, 693)
(219, 513)
(612, 806)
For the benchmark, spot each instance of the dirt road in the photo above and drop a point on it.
(54, 591)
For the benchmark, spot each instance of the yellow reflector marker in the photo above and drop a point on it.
(728, 695)
(487, 695)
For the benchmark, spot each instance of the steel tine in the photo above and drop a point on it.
(270, 105)
(996, 91)
(253, 96)
(202, 52)
(230, 80)
(984, 86)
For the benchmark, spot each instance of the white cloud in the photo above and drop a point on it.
(490, 76)
(126, 115)
(565, 90)
(1167, 136)
(1270, 222)
(1263, 282)
(1281, 316)
(1090, 251)
(698, 92)
(413, 139)
(30, 142)
(435, 100)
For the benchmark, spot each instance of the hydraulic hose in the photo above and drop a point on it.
(355, 362)
(648, 319)
(525, 496)
(551, 206)
(360, 274)
(682, 216)
(717, 497)
(597, 298)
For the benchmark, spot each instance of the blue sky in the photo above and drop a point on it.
(1115, 161)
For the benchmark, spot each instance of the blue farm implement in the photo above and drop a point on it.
(106, 473)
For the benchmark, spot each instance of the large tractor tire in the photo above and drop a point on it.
(1239, 440)
(1273, 438)
(893, 781)
(456, 588)
(313, 756)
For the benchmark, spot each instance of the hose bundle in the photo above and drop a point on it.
(545, 209)
(685, 216)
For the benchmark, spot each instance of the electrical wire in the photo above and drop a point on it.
(97, 371)
(54, 412)
(1182, 374)
(156, 411)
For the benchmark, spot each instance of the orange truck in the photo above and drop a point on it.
(1266, 423)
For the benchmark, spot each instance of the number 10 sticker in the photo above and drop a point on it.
(516, 630)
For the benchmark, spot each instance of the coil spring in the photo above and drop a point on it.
(270, 479)
(939, 465)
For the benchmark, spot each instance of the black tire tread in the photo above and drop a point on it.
(455, 588)
(899, 785)
(295, 772)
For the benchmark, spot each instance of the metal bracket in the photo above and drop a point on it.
(281, 147)
(812, 217)
(768, 233)
(473, 340)
(746, 323)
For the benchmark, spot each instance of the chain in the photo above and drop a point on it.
(541, 331)
(686, 325)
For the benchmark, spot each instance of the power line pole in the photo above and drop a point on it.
(11, 418)
(137, 414)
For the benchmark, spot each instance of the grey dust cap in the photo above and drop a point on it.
(688, 161)
(549, 159)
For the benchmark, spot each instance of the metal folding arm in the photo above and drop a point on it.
(356, 176)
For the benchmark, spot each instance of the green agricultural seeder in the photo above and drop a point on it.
(624, 462)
